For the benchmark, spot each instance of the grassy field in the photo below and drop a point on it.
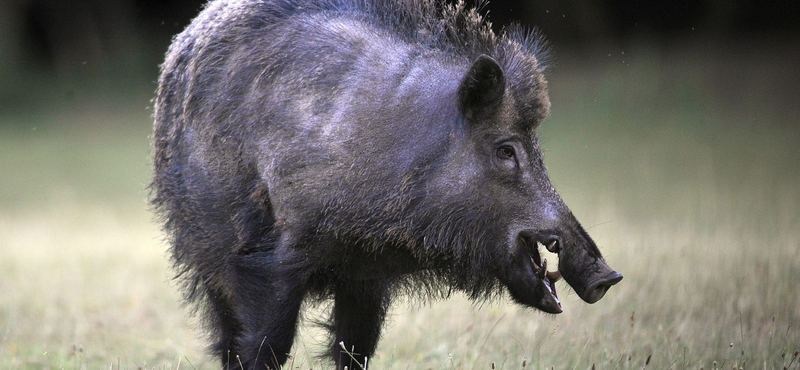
(683, 165)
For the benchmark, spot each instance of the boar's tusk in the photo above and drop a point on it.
(552, 246)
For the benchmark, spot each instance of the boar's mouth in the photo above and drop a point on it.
(547, 279)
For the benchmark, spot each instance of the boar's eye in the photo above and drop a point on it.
(506, 152)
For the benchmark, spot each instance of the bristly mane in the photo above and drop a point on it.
(449, 27)
(453, 28)
(456, 30)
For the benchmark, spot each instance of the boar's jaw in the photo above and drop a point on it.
(532, 284)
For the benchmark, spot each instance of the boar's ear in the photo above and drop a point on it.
(482, 87)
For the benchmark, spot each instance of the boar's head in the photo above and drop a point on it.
(502, 118)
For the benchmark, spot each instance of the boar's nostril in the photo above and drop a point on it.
(598, 289)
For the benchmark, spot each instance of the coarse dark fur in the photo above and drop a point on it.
(348, 150)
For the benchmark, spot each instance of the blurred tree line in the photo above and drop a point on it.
(102, 39)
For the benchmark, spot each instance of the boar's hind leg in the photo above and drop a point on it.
(358, 312)
(268, 295)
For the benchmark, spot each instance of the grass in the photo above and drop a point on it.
(685, 176)
(84, 279)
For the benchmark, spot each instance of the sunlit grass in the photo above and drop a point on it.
(84, 282)
(690, 191)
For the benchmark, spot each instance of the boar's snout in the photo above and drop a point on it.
(582, 265)
(598, 288)
(591, 277)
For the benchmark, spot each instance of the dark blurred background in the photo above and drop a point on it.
(54, 50)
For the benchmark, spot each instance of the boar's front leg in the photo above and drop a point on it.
(358, 313)
(270, 289)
